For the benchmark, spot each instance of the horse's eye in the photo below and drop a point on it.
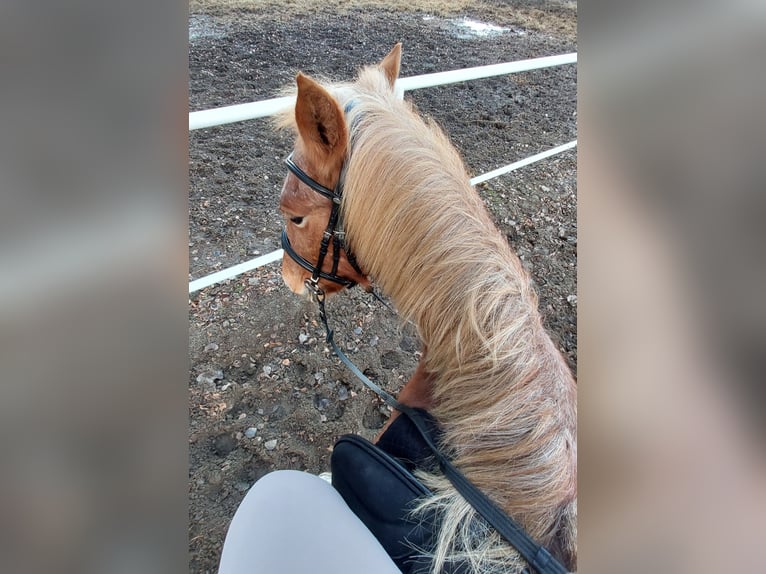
(297, 220)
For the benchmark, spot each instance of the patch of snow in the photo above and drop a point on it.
(468, 28)
(203, 27)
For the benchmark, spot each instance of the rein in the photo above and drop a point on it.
(537, 556)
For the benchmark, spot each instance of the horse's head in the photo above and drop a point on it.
(321, 147)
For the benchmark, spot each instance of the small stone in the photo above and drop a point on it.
(225, 324)
(210, 376)
(545, 189)
(321, 402)
(358, 331)
(285, 362)
(302, 338)
(318, 377)
(260, 411)
(215, 477)
(409, 344)
(374, 341)
(270, 444)
(267, 369)
(211, 347)
(242, 486)
(572, 300)
(342, 393)
(390, 360)
(250, 433)
(253, 281)
(562, 233)
(373, 418)
(223, 444)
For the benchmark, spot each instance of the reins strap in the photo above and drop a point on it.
(330, 338)
(381, 300)
(537, 556)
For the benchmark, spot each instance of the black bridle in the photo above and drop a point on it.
(333, 232)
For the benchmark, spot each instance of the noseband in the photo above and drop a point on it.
(334, 231)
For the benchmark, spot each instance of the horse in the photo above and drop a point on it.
(414, 226)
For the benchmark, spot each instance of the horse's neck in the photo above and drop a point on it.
(424, 235)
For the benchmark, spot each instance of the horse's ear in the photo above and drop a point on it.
(320, 120)
(390, 64)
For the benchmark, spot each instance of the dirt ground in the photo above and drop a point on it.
(264, 391)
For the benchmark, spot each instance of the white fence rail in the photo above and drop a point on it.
(264, 108)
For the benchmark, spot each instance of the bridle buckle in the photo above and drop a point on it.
(312, 284)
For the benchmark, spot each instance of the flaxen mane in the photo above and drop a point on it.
(502, 391)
